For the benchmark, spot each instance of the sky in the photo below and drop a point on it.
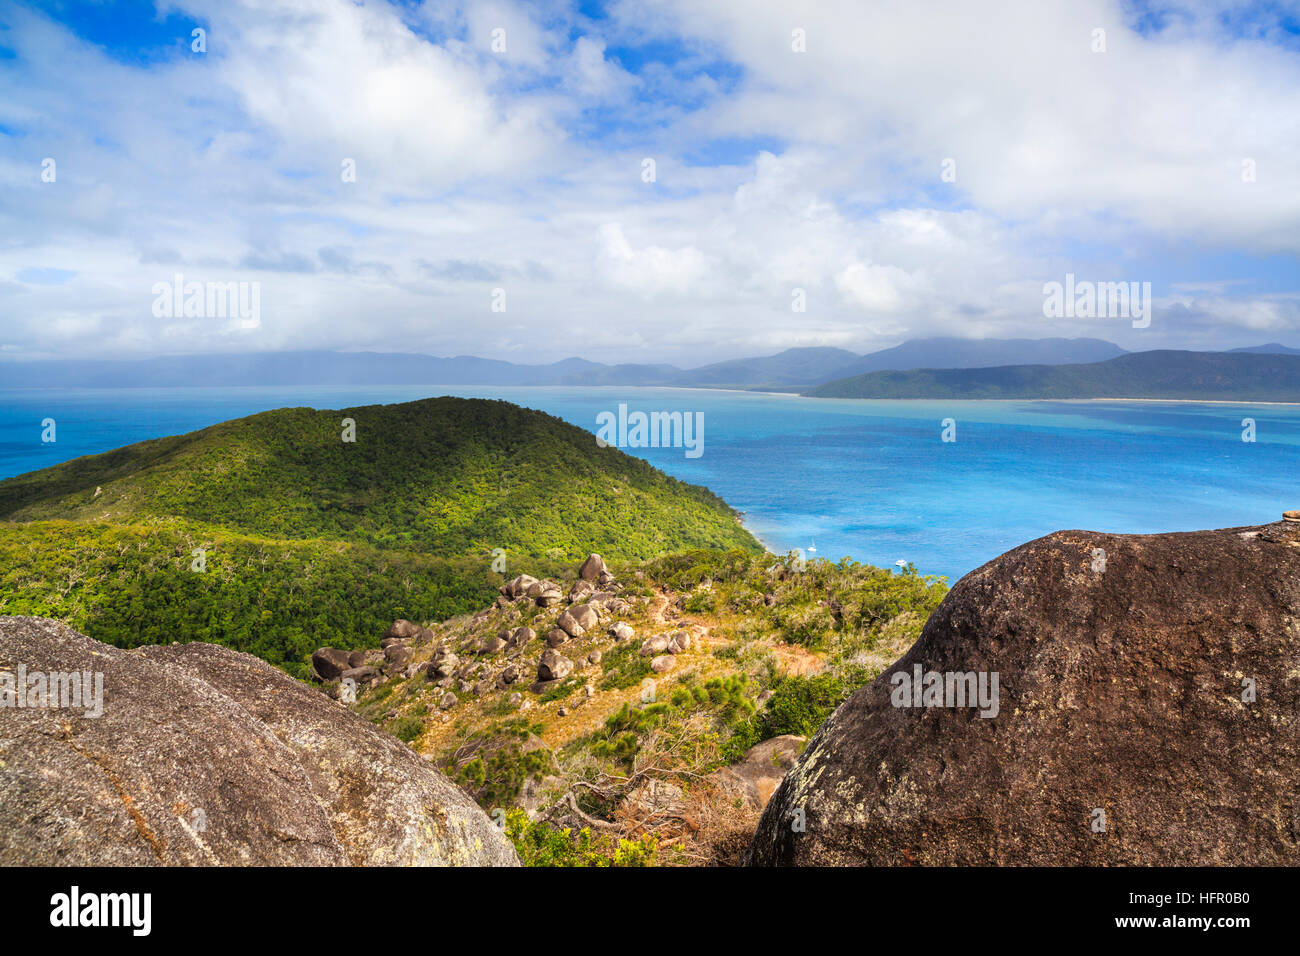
(658, 181)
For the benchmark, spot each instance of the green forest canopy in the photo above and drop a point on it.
(309, 540)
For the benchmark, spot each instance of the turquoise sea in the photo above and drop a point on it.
(872, 480)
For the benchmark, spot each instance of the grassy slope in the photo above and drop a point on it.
(757, 668)
(1209, 376)
(312, 541)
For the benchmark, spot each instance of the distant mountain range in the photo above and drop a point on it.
(791, 369)
(1272, 348)
(980, 353)
(797, 369)
(1242, 375)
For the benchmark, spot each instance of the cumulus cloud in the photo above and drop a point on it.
(650, 269)
(874, 288)
(921, 169)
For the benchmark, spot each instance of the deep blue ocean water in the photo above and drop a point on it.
(867, 479)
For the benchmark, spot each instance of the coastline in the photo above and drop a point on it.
(1060, 401)
(676, 388)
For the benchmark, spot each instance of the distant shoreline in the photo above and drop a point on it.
(1163, 401)
(675, 388)
(1063, 401)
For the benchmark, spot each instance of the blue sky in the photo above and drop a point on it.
(133, 31)
(651, 181)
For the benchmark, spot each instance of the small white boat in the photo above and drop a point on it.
(812, 548)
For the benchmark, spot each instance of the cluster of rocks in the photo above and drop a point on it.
(591, 605)
(593, 575)
(371, 666)
(662, 649)
(588, 608)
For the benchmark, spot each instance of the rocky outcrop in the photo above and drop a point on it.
(1146, 714)
(553, 666)
(577, 620)
(397, 654)
(329, 663)
(361, 675)
(545, 593)
(655, 645)
(402, 629)
(205, 756)
(568, 624)
(521, 636)
(518, 587)
(592, 568)
(444, 663)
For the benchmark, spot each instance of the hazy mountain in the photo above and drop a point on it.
(792, 368)
(1272, 348)
(632, 374)
(1209, 376)
(981, 353)
(801, 366)
(288, 368)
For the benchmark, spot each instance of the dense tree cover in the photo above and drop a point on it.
(445, 476)
(129, 585)
(315, 541)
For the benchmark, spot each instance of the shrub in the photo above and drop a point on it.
(798, 706)
(540, 844)
(495, 777)
(625, 667)
(700, 602)
(406, 729)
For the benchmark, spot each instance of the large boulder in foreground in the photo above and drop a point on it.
(1121, 735)
(203, 755)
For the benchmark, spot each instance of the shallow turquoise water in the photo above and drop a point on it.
(869, 479)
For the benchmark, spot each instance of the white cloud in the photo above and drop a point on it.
(650, 269)
(521, 169)
(593, 76)
(874, 288)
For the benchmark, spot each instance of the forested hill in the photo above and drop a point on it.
(272, 535)
(448, 476)
(1160, 374)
